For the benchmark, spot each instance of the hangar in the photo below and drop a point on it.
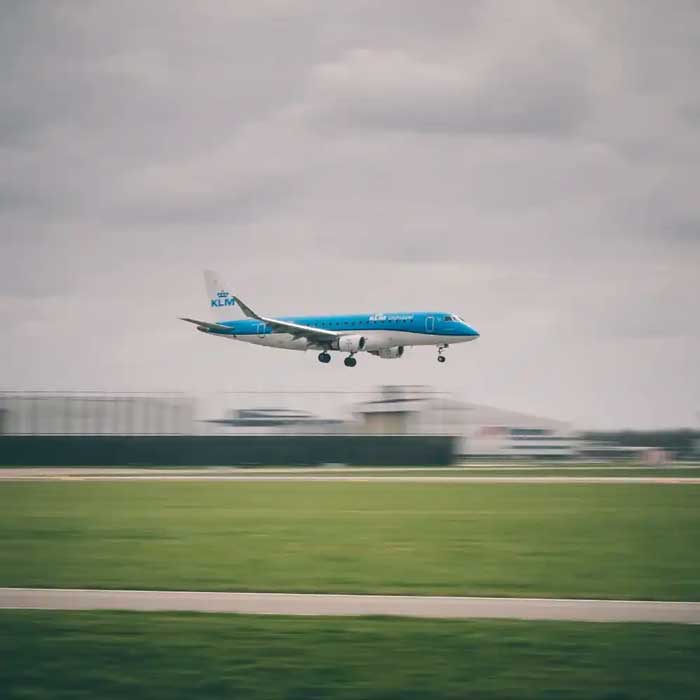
(482, 431)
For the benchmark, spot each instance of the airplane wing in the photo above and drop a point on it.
(298, 330)
(207, 326)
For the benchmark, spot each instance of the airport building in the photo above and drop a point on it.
(479, 431)
(95, 413)
(482, 431)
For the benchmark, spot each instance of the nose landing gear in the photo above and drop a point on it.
(324, 357)
(440, 356)
(350, 361)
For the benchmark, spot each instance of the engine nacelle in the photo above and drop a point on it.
(352, 343)
(389, 353)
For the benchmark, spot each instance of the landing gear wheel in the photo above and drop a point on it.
(350, 361)
(324, 357)
(441, 358)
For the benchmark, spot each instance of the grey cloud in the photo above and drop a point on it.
(391, 90)
(498, 68)
(688, 229)
(234, 207)
(135, 78)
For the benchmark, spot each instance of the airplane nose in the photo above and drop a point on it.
(474, 332)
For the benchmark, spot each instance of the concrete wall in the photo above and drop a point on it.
(196, 450)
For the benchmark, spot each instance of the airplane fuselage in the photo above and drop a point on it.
(379, 331)
(382, 334)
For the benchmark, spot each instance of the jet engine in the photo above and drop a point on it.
(389, 353)
(352, 343)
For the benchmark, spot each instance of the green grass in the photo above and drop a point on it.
(170, 656)
(607, 541)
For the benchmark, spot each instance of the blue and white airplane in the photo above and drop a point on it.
(382, 334)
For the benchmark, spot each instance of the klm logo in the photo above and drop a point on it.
(223, 299)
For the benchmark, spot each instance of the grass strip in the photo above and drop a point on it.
(180, 655)
(636, 541)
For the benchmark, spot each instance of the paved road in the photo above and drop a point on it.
(12, 472)
(243, 475)
(324, 604)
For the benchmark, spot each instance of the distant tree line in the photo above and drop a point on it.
(681, 443)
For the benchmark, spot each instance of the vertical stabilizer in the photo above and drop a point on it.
(221, 299)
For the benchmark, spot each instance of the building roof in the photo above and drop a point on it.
(473, 414)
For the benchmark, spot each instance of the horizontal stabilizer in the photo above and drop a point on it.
(207, 325)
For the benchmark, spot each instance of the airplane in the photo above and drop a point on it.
(384, 335)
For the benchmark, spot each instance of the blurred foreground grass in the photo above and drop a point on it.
(598, 541)
(158, 655)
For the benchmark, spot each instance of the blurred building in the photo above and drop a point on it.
(483, 431)
(94, 413)
(602, 451)
(272, 419)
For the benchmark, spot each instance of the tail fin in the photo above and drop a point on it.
(222, 302)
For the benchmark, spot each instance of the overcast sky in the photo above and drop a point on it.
(532, 166)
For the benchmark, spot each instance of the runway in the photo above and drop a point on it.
(334, 470)
(245, 475)
(444, 607)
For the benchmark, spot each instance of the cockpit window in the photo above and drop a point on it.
(448, 318)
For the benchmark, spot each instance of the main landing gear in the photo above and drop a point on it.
(440, 356)
(325, 358)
